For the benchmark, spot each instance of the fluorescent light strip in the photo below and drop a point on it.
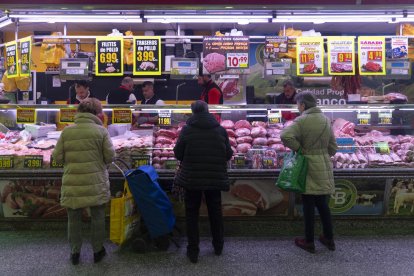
(206, 20)
(331, 20)
(5, 23)
(79, 18)
(208, 16)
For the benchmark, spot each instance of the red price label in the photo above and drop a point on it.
(344, 57)
(374, 55)
(307, 58)
(237, 60)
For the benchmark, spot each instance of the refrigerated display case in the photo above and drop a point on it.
(374, 161)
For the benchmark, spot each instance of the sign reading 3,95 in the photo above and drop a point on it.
(6, 162)
(147, 55)
(33, 162)
(11, 60)
(109, 56)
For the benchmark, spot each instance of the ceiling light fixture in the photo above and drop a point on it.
(5, 22)
(320, 19)
(79, 18)
(241, 20)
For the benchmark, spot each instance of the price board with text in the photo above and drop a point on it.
(384, 118)
(164, 118)
(371, 55)
(341, 52)
(11, 60)
(54, 164)
(33, 162)
(25, 56)
(239, 161)
(275, 45)
(170, 164)
(109, 56)
(67, 115)
(274, 117)
(309, 56)
(364, 118)
(121, 116)
(6, 162)
(25, 115)
(237, 60)
(147, 55)
(140, 160)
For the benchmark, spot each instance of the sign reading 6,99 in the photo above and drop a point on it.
(109, 56)
(147, 55)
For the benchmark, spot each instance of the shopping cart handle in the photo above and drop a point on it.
(122, 162)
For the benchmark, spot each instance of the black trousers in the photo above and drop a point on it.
(321, 203)
(215, 215)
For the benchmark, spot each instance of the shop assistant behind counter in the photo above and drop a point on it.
(124, 94)
(81, 92)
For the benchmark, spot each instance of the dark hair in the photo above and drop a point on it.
(201, 73)
(90, 105)
(288, 83)
(306, 98)
(83, 83)
(199, 107)
(147, 83)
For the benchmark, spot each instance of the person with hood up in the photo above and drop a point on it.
(203, 148)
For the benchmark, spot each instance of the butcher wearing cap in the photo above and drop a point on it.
(212, 93)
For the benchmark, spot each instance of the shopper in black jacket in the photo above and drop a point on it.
(203, 149)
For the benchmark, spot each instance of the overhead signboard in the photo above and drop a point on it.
(147, 55)
(109, 56)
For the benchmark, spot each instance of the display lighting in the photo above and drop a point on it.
(239, 19)
(5, 21)
(320, 19)
(79, 18)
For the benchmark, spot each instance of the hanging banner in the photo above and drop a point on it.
(309, 56)
(371, 55)
(11, 60)
(341, 53)
(147, 53)
(25, 56)
(109, 56)
(226, 54)
(399, 47)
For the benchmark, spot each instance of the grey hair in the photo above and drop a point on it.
(288, 83)
(306, 98)
(90, 105)
(199, 107)
(127, 80)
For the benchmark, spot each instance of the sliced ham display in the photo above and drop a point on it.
(242, 124)
(258, 132)
(242, 132)
(227, 124)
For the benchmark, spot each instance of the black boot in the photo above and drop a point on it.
(98, 256)
(74, 257)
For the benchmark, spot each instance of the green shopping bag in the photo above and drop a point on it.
(292, 177)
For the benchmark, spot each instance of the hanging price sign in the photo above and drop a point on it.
(341, 51)
(309, 56)
(121, 116)
(275, 45)
(25, 116)
(237, 60)
(147, 55)
(25, 56)
(274, 117)
(384, 118)
(67, 115)
(364, 118)
(140, 160)
(33, 162)
(399, 47)
(164, 117)
(6, 162)
(371, 55)
(109, 56)
(11, 60)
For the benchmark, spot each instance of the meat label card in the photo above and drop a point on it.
(364, 118)
(33, 162)
(67, 115)
(140, 160)
(309, 56)
(121, 116)
(109, 56)
(341, 52)
(54, 163)
(226, 54)
(25, 116)
(25, 56)
(384, 118)
(164, 117)
(371, 55)
(6, 162)
(11, 60)
(147, 55)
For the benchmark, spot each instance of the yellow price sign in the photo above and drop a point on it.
(33, 162)
(26, 115)
(364, 118)
(147, 53)
(11, 60)
(307, 58)
(385, 118)
(108, 58)
(374, 55)
(121, 116)
(164, 121)
(145, 56)
(6, 162)
(140, 160)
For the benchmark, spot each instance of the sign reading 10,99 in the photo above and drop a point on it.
(109, 56)
(147, 55)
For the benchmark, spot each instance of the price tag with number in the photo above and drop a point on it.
(67, 115)
(382, 147)
(384, 118)
(6, 162)
(109, 56)
(239, 161)
(11, 60)
(26, 116)
(237, 60)
(341, 51)
(121, 116)
(25, 56)
(147, 55)
(274, 117)
(164, 117)
(54, 163)
(33, 162)
(170, 164)
(364, 118)
(269, 162)
(140, 160)
(371, 55)
(309, 55)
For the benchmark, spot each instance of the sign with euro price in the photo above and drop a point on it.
(240, 161)
(11, 60)
(54, 164)
(147, 55)
(384, 118)
(109, 56)
(33, 162)
(164, 117)
(274, 117)
(140, 160)
(67, 115)
(237, 60)
(25, 115)
(25, 56)
(121, 116)
(364, 118)
(6, 162)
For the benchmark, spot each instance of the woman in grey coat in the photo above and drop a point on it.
(312, 134)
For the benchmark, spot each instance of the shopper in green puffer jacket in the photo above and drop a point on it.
(312, 134)
(85, 149)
